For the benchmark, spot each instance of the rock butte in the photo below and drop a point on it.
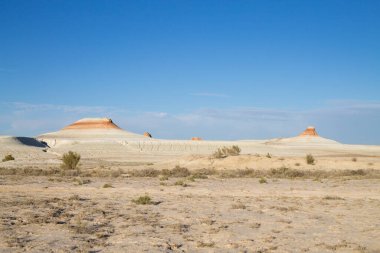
(310, 131)
(92, 123)
(196, 139)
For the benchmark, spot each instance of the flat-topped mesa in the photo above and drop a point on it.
(92, 123)
(310, 131)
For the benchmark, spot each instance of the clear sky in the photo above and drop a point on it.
(215, 69)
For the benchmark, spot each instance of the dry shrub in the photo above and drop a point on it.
(143, 200)
(238, 205)
(181, 183)
(263, 181)
(310, 159)
(179, 171)
(70, 160)
(149, 172)
(227, 151)
(285, 172)
(8, 158)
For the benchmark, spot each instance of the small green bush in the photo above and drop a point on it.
(143, 200)
(310, 159)
(227, 151)
(70, 160)
(107, 186)
(8, 158)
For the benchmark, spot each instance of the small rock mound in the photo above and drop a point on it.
(147, 135)
(310, 131)
(92, 123)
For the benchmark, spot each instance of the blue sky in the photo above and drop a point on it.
(215, 69)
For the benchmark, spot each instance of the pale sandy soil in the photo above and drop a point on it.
(55, 214)
(330, 206)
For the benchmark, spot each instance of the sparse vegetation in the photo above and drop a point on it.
(268, 155)
(297, 164)
(179, 171)
(354, 159)
(227, 151)
(143, 200)
(164, 178)
(282, 172)
(181, 183)
(8, 158)
(81, 181)
(310, 159)
(263, 181)
(329, 197)
(107, 185)
(238, 205)
(70, 160)
(149, 172)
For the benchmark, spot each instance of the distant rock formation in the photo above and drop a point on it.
(147, 135)
(196, 139)
(92, 123)
(310, 131)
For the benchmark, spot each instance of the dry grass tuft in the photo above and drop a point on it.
(143, 200)
(330, 197)
(227, 151)
(263, 181)
(181, 183)
(179, 171)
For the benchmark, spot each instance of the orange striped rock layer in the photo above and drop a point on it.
(101, 123)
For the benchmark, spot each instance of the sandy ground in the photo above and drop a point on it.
(277, 203)
(54, 214)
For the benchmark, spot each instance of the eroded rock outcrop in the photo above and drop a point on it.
(196, 139)
(310, 131)
(147, 135)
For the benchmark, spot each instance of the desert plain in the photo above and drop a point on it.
(135, 193)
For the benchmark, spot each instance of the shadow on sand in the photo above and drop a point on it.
(31, 142)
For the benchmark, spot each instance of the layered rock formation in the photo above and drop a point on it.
(310, 131)
(92, 123)
(90, 130)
